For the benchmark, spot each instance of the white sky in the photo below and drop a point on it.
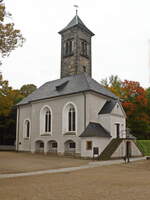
(120, 46)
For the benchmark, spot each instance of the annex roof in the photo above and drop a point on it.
(108, 106)
(66, 86)
(95, 130)
(76, 21)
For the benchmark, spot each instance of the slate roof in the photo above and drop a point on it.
(108, 106)
(76, 21)
(95, 130)
(65, 86)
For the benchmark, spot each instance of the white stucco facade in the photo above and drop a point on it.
(116, 116)
(97, 142)
(87, 106)
(33, 112)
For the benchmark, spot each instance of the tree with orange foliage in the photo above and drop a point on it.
(136, 103)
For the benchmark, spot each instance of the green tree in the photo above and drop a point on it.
(148, 92)
(25, 90)
(113, 83)
(9, 97)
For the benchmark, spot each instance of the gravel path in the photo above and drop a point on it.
(52, 171)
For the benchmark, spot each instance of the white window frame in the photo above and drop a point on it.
(25, 128)
(65, 118)
(71, 122)
(43, 111)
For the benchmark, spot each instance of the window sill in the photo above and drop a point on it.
(86, 56)
(71, 54)
(26, 138)
(70, 133)
(45, 134)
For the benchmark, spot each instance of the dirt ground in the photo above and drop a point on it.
(117, 182)
(13, 162)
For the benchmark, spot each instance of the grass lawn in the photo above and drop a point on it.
(144, 146)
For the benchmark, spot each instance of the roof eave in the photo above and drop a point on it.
(77, 25)
(64, 95)
(96, 136)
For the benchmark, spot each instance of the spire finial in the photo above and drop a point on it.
(76, 6)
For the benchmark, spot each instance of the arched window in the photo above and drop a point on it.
(27, 129)
(69, 119)
(84, 48)
(70, 147)
(68, 47)
(48, 121)
(45, 120)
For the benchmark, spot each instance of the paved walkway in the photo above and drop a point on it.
(52, 171)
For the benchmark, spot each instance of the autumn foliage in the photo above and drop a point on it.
(136, 103)
(9, 97)
(10, 37)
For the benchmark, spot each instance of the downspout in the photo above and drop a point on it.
(30, 130)
(17, 134)
(84, 110)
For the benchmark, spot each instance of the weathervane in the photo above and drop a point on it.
(76, 6)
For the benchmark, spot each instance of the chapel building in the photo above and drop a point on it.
(74, 115)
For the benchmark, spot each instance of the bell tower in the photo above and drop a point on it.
(75, 48)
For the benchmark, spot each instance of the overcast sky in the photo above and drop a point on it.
(120, 46)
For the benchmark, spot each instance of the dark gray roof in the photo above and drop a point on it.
(108, 106)
(65, 86)
(95, 130)
(76, 21)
